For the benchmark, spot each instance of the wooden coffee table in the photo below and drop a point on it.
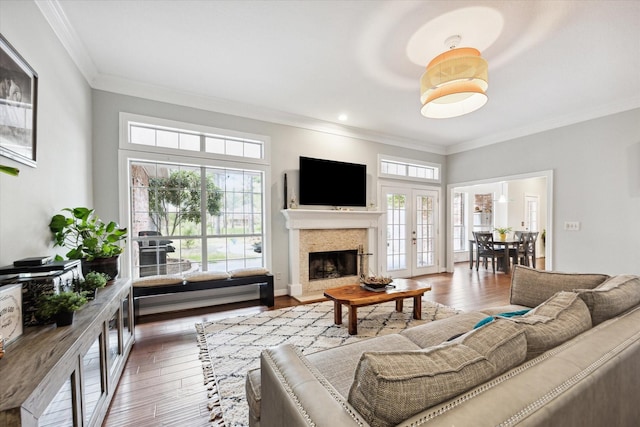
(355, 296)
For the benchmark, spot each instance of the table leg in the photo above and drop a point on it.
(353, 320)
(417, 307)
(506, 264)
(399, 305)
(471, 254)
(337, 313)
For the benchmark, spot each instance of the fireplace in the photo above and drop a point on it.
(332, 264)
(321, 231)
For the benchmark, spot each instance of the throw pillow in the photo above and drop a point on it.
(390, 387)
(530, 287)
(614, 296)
(560, 318)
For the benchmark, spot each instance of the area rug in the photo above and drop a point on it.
(231, 347)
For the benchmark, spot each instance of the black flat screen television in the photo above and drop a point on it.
(332, 183)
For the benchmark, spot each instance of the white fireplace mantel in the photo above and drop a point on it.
(323, 219)
(307, 219)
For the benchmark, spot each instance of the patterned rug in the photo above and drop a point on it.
(231, 347)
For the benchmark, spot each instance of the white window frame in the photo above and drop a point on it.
(409, 162)
(129, 152)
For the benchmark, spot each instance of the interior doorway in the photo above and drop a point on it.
(521, 202)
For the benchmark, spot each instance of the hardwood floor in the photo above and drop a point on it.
(163, 383)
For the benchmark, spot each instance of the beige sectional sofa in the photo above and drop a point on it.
(572, 359)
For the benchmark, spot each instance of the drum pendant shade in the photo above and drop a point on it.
(454, 84)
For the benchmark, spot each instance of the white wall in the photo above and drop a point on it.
(596, 179)
(63, 176)
(287, 144)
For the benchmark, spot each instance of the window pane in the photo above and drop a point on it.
(234, 148)
(144, 136)
(189, 142)
(214, 145)
(253, 150)
(167, 139)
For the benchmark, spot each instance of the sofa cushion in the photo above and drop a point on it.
(530, 287)
(434, 333)
(560, 318)
(389, 387)
(340, 375)
(252, 391)
(616, 295)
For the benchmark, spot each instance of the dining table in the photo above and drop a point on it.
(506, 244)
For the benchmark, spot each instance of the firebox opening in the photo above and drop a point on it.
(332, 264)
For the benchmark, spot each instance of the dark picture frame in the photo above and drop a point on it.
(18, 106)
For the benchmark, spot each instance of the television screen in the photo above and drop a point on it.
(332, 183)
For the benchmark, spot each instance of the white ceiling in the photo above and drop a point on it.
(551, 63)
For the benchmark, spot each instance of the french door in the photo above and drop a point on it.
(411, 244)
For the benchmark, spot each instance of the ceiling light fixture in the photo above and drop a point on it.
(454, 83)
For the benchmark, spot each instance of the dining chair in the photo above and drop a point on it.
(529, 247)
(487, 249)
(517, 254)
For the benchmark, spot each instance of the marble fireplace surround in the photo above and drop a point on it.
(326, 230)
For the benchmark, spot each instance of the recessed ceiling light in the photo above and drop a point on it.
(343, 117)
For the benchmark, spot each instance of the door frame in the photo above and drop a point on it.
(548, 174)
(440, 266)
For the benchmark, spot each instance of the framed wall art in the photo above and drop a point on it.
(18, 106)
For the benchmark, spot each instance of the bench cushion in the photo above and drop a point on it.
(203, 276)
(250, 271)
(159, 280)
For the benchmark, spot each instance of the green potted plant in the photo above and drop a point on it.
(61, 307)
(502, 231)
(93, 281)
(89, 239)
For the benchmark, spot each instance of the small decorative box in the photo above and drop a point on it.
(10, 312)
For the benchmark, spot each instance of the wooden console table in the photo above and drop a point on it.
(354, 296)
(67, 376)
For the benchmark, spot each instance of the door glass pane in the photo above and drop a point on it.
(92, 379)
(59, 413)
(425, 235)
(396, 232)
(113, 344)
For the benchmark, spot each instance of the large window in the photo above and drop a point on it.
(190, 214)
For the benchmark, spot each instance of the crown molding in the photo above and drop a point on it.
(55, 16)
(188, 99)
(554, 123)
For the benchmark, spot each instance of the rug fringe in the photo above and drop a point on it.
(214, 404)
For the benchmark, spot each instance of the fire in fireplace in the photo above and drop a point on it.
(332, 264)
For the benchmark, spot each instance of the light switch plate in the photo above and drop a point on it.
(572, 225)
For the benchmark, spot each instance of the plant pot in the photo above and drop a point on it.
(107, 266)
(503, 237)
(64, 318)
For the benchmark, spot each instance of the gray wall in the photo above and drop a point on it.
(63, 176)
(596, 168)
(287, 144)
